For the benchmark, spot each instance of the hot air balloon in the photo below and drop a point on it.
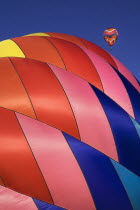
(69, 126)
(110, 36)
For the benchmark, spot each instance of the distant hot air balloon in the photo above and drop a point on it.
(110, 36)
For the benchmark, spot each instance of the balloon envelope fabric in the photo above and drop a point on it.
(71, 104)
(54, 167)
(18, 201)
(69, 126)
(79, 57)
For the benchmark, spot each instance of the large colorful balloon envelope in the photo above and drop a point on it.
(69, 126)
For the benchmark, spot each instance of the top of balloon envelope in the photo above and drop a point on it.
(74, 54)
(49, 47)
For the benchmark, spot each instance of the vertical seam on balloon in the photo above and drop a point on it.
(68, 102)
(24, 88)
(2, 181)
(83, 42)
(108, 54)
(18, 47)
(33, 156)
(57, 52)
(80, 41)
(122, 182)
(125, 90)
(48, 34)
(108, 124)
(79, 167)
(95, 69)
(113, 61)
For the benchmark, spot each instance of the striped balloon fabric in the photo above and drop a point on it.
(16, 201)
(69, 126)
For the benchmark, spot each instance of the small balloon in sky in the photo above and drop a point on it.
(110, 36)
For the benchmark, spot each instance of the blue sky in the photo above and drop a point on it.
(84, 18)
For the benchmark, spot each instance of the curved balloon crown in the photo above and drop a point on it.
(110, 36)
(69, 125)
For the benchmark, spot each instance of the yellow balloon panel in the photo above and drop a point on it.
(38, 34)
(9, 48)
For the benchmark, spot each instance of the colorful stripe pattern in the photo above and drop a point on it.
(52, 49)
(83, 111)
(69, 126)
(54, 167)
(16, 201)
(36, 89)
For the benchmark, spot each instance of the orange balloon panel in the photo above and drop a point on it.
(39, 48)
(69, 38)
(12, 88)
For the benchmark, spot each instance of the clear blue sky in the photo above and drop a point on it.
(83, 18)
